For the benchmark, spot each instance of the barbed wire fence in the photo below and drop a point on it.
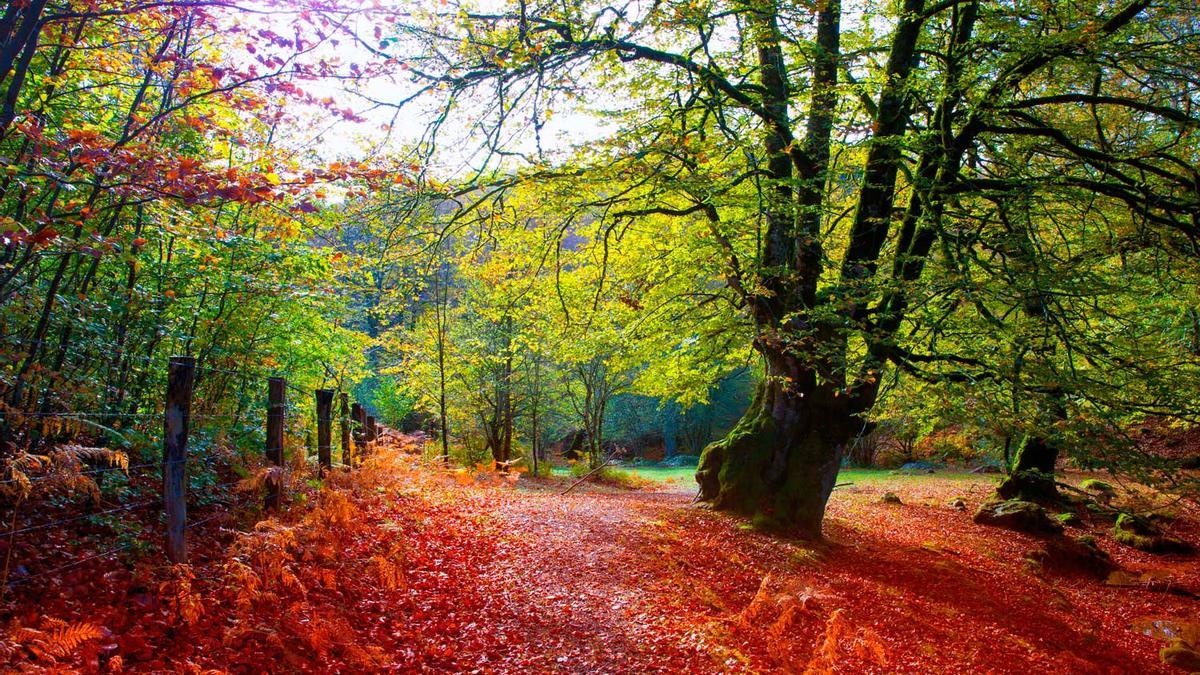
(282, 414)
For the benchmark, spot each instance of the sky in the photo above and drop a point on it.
(385, 129)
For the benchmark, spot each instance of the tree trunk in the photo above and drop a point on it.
(779, 464)
(1032, 475)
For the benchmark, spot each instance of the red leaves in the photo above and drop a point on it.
(402, 568)
(43, 236)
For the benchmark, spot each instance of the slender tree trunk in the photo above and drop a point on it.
(439, 303)
(535, 405)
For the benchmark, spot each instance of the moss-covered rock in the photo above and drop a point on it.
(1181, 655)
(1069, 519)
(890, 498)
(1069, 555)
(1016, 514)
(1094, 485)
(958, 504)
(1143, 535)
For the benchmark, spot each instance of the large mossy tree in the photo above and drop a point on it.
(829, 152)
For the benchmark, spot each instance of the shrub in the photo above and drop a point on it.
(864, 451)
(544, 468)
(620, 477)
(953, 445)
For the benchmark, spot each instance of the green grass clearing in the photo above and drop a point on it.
(683, 478)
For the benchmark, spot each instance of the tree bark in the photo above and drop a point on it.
(779, 464)
(1032, 475)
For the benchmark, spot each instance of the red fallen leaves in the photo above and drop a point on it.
(402, 568)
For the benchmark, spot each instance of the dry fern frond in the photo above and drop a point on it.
(262, 478)
(185, 603)
(56, 638)
(54, 426)
(388, 573)
(16, 485)
(31, 463)
(839, 635)
(289, 580)
(338, 510)
(77, 454)
(328, 578)
(368, 658)
(243, 582)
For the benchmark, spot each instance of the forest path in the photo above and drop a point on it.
(576, 567)
(599, 581)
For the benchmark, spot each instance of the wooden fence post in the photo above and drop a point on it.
(347, 453)
(181, 375)
(324, 433)
(276, 389)
(359, 417)
(372, 431)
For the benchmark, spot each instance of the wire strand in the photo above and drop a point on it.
(43, 526)
(73, 563)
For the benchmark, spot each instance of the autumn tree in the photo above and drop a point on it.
(151, 203)
(822, 147)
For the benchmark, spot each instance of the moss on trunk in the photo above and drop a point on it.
(1032, 475)
(779, 464)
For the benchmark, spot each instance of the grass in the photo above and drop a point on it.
(675, 477)
(683, 478)
(678, 477)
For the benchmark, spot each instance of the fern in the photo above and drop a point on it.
(56, 638)
(388, 573)
(74, 455)
(839, 635)
(17, 485)
(827, 653)
(185, 603)
(244, 582)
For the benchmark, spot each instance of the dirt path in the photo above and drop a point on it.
(640, 582)
(574, 563)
